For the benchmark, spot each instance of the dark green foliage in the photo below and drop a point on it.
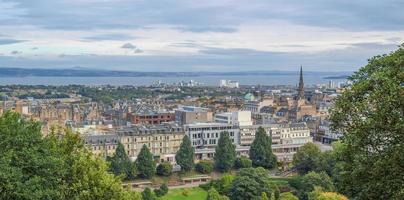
(250, 183)
(307, 158)
(204, 167)
(225, 153)
(164, 169)
(162, 190)
(36, 167)
(261, 150)
(242, 162)
(30, 166)
(185, 155)
(145, 163)
(120, 164)
(370, 115)
(307, 183)
(214, 195)
(148, 194)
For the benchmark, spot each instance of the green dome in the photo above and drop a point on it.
(249, 97)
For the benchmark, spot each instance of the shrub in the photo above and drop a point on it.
(204, 167)
(164, 169)
(242, 162)
(162, 190)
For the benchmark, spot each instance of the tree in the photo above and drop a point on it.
(250, 183)
(307, 158)
(148, 194)
(120, 164)
(51, 167)
(164, 169)
(145, 163)
(162, 190)
(318, 194)
(242, 162)
(264, 196)
(204, 167)
(225, 153)
(261, 150)
(30, 166)
(185, 155)
(307, 183)
(370, 116)
(214, 195)
(273, 196)
(287, 196)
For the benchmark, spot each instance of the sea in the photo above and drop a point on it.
(310, 79)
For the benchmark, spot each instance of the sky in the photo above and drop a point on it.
(190, 35)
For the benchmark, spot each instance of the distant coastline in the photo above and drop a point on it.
(37, 72)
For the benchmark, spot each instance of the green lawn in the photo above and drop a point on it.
(195, 193)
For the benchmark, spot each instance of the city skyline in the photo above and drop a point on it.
(207, 36)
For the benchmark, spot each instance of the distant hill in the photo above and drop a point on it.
(84, 72)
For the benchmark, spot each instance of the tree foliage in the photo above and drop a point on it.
(225, 153)
(250, 183)
(120, 164)
(164, 169)
(148, 194)
(145, 163)
(287, 196)
(214, 195)
(261, 150)
(319, 194)
(36, 167)
(185, 155)
(242, 162)
(307, 183)
(204, 167)
(307, 158)
(163, 190)
(370, 115)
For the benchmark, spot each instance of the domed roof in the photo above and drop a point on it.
(249, 97)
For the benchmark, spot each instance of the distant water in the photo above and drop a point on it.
(309, 79)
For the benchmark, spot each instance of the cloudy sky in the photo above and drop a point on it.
(208, 35)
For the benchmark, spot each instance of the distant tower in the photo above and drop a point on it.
(301, 85)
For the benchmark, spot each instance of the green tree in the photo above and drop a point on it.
(145, 163)
(185, 155)
(225, 153)
(30, 166)
(242, 162)
(204, 166)
(164, 169)
(264, 196)
(214, 195)
(120, 164)
(36, 167)
(287, 196)
(163, 190)
(250, 183)
(148, 194)
(307, 158)
(370, 115)
(318, 194)
(261, 150)
(305, 184)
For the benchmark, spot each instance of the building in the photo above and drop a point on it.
(256, 106)
(163, 141)
(101, 144)
(192, 114)
(228, 84)
(151, 117)
(238, 118)
(205, 136)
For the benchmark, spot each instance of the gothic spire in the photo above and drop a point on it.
(301, 85)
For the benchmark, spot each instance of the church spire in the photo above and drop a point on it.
(301, 85)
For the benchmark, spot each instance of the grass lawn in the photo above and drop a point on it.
(195, 193)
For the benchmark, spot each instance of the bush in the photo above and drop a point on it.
(185, 193)
(164, 169)
(162, 190)
(204, 167)
(242, 162)
(206, 186)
